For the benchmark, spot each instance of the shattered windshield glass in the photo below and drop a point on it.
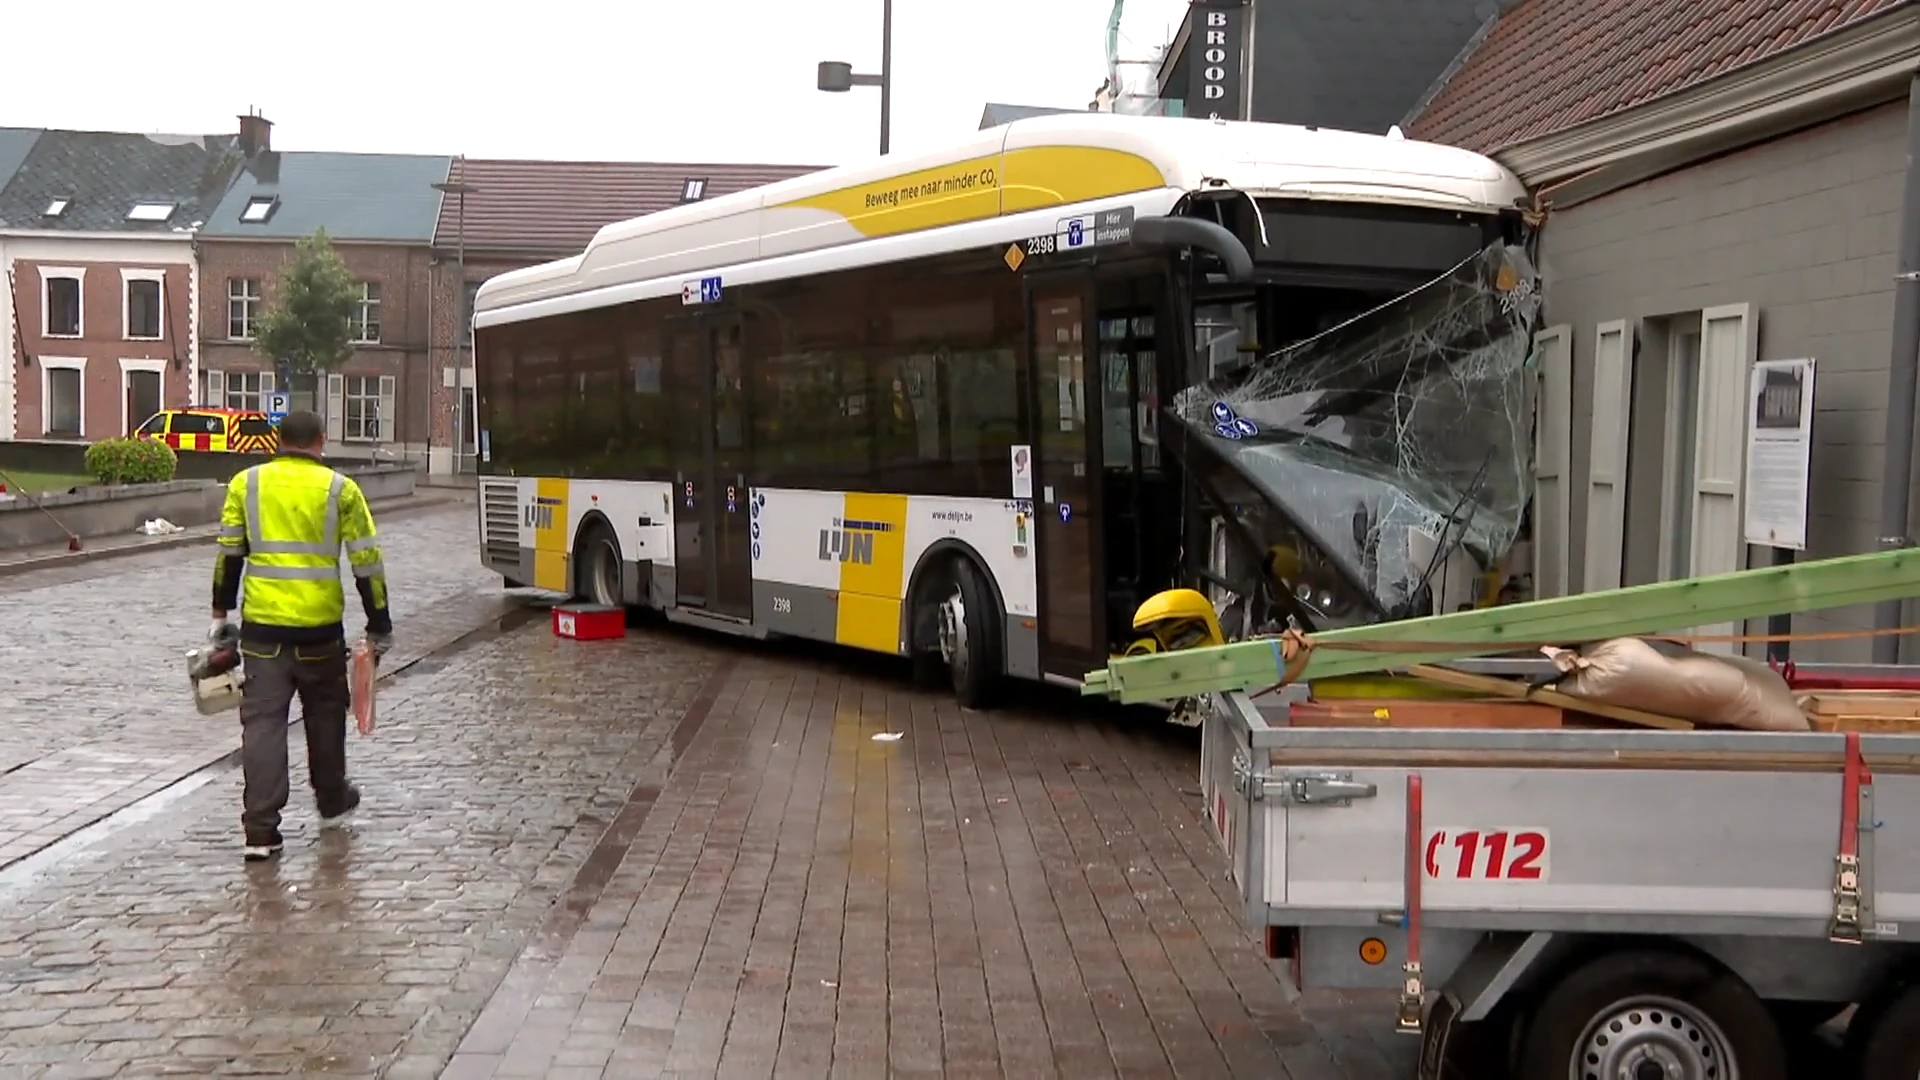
(1397, 438)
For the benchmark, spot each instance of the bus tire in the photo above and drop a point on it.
(599, 575)
(970, 631)
(1646, 1004)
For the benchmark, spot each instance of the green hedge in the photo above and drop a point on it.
(131, 461)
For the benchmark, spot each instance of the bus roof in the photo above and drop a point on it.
(1004, 180)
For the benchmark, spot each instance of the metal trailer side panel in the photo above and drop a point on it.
(1745, 850)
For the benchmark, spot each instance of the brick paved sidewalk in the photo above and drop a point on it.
(1019, 894)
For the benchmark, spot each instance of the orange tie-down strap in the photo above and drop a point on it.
(1295, 647)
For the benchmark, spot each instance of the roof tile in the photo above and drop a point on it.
(555, 207)
(1549, 65)
(365, 197)
(106, 173)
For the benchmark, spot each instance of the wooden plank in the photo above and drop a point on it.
(1492, 684)
(1866, 725)
(1642, 609)
(1402, 713)
(1881, 704)
(1385, 685)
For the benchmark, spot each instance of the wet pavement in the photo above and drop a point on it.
(667, 855)
(95, 691)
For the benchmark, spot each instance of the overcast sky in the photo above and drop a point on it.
(719, 80)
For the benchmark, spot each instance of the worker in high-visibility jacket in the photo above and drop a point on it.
(284, 524)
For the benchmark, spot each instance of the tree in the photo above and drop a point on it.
(309, 322)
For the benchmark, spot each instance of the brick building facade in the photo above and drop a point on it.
(378, 210)
(234, 210)
(96, 244)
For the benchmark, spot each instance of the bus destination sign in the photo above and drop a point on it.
(1076, 234)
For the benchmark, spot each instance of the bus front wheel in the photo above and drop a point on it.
(598, 575)
(970, 630)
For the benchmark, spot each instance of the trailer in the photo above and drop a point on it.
(1594, 904)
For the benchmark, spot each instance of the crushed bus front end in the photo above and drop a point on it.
(1380, 469)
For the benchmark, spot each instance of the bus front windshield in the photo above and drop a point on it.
(1399, 432)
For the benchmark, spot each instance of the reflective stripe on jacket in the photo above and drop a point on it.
(288, 519)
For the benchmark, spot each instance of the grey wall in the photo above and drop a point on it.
(1804, 229)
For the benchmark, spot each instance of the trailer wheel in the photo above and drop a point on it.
(1888, 1044)
(1652, 1015)
(970, 637)
(1800, 1016)
(597, 574)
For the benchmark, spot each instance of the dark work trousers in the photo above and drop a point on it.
(275, 674)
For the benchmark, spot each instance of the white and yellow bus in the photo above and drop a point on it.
(974, 406)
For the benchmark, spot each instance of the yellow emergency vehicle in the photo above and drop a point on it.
(236, 431)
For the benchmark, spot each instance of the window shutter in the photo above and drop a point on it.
(1552, 461)
(1729, 340)
(336, 407)
(1607, 463)
(386, 408)
(216, 389)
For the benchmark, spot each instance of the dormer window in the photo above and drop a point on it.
(259, 208)
(57, 206)
(150, 211)
(693, 189)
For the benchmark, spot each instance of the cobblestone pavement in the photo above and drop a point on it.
(363, 952)
(98, 709)
(667, 855)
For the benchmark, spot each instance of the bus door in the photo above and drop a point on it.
(712, 546)
(1139, 503)
(1066, 492)
(688, 381)
(730, 567)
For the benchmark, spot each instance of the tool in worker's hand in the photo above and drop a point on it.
(214, 671)
(364, 663)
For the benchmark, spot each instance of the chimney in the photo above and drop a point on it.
(256, 133)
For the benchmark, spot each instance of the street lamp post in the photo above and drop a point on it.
(459, 189)
(837, 77)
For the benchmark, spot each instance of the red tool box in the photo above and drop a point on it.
(589, 622)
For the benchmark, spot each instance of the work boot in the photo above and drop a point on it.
(262, 847)
(338, 815)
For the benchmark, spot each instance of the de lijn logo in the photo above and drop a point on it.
(1231, 425)
(540, 513)
(851, 541)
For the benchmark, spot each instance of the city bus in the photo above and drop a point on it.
(975, 406)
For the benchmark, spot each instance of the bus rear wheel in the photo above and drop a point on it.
(597, 575)
(970, 629)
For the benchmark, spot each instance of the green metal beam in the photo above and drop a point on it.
(1666, 607)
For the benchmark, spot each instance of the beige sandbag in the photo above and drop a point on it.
(1702, 687)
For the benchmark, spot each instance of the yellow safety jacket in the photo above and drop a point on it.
(285, 522)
